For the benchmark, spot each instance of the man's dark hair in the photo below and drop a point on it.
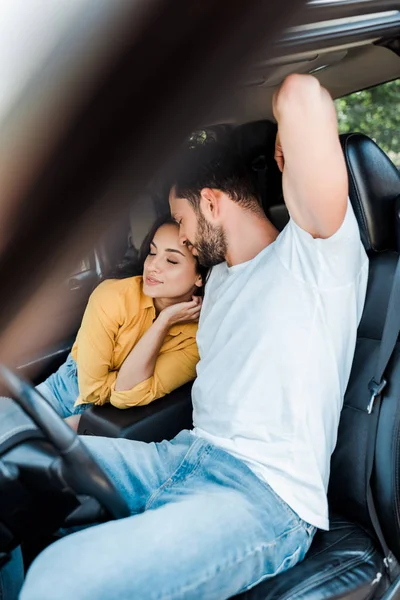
(216, 166)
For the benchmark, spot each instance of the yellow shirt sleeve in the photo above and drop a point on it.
(173, 369)
(95, 344)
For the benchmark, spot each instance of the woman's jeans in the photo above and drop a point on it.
(202, 525)
(61, 390)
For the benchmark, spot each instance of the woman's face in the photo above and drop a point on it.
(170, 268)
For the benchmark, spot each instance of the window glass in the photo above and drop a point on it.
(376, 113)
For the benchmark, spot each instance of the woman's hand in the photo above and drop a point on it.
(182, 312)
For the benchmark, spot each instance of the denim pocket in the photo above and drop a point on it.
(293, 550)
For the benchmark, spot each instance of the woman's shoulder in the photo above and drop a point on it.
(111, 288)
(187, 330)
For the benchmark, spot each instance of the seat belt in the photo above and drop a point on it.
(376, 386)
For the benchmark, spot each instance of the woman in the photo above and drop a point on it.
(137, 340)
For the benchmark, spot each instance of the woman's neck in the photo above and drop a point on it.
(161, 303)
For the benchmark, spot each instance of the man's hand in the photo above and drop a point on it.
(183, 312)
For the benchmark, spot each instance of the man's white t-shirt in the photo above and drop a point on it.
(276, 340)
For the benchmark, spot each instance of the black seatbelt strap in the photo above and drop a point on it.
(376, 386)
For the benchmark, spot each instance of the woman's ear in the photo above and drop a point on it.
(199, 281)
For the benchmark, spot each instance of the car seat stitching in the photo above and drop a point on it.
(321, 578)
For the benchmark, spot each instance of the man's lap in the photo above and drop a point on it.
(203, 526)
(11, 576)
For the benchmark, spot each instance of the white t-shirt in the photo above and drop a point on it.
(276, 340)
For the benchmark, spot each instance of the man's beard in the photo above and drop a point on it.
(210, 243)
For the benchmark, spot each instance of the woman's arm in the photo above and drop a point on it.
(140, 363)
(172, 369)
(95, 343)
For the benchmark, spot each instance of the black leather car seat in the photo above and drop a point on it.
(347, 561)
(255, 142)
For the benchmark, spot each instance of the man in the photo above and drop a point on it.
(237, 500)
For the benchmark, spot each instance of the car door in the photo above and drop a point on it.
(66, 319)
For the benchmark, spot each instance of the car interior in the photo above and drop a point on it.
(44, 486)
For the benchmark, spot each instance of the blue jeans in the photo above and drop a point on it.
(12, 576)
(202, 526)
(61, 389)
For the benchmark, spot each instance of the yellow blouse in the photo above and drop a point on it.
(117, 315)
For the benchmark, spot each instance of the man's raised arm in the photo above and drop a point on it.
(308, 152)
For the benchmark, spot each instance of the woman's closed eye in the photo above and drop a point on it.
(172, 262)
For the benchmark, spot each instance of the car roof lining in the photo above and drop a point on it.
(348, 70)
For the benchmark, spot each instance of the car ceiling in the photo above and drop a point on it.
(341, 70)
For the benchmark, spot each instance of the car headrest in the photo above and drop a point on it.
(255, 142)
(374, 185)
(279, 216)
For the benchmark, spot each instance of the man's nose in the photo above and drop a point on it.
(183, 239)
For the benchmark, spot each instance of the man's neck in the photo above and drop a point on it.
(247, 235)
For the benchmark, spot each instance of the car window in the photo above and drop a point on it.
(375, 112)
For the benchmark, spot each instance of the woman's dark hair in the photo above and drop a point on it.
(133, 262)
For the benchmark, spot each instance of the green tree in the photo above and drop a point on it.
(376, 113)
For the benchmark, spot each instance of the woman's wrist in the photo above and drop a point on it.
(163, 321)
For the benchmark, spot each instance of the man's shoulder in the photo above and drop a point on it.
(327, 263)
(220, 268)
(215, 273)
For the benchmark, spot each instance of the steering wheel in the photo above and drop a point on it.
(85, 476)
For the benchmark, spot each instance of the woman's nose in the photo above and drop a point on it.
(156, 264)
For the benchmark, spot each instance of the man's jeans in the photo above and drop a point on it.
(202, 526)
(11, 576)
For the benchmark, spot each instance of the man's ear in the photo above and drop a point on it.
(209, 203)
